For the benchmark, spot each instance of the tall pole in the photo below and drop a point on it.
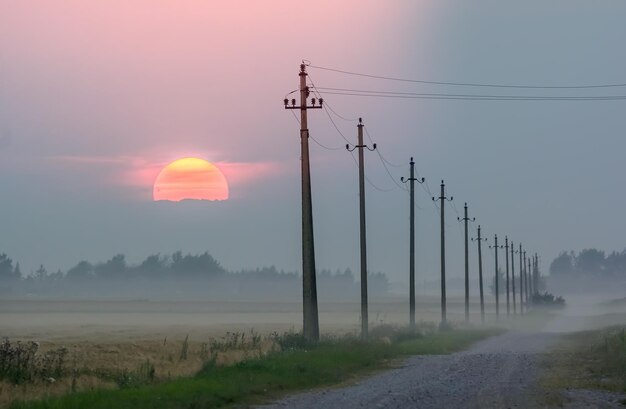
(531, 281)
(521, 280)
(506, 253)
(364, 307)
(412, 179)
(310, 325)
(536, 274)
(466, 219)
(525, 281)
(479, 239)
(497, 278)
(513, 277)
(442, 199)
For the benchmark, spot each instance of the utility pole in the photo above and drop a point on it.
(480, 275)
(310, 326)
(497, 279)
(360, 145)
(530, 283)
(536, 274)
(525, 281)
(442, 199)
(513, 277)
(412, 179)
(506, 252)
(466, 219)
(521, 281)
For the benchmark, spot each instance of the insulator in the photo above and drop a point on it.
(313, 101)
(321, 101)
(293, 102)
(286, 101)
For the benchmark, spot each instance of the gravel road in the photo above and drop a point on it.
(495, 373)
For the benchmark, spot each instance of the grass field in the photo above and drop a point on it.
(587, 360)
(297, 366)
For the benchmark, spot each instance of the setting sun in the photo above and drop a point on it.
(190, 178)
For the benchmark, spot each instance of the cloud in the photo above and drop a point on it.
(139, 173)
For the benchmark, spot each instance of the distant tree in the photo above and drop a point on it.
(615, 264)
(81, 271)
(7, 272)
(563, 265)
(590, 261)
(154, 265)
(114, 268)
(196, 266)
(41, 273)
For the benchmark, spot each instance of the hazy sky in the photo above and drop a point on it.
(96, 97)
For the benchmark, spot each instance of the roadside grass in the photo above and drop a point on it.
(298, 366)
(587, 360)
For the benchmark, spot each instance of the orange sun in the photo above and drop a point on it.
(190, 178)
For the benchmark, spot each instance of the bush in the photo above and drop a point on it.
(21, 363)
(547, 300)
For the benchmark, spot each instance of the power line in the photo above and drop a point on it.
(473, 97)
(469, 84)
(381, 155)
(367, 179)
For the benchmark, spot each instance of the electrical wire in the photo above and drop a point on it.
(311, 136)
(469, 84)
(381, 155)
(367, 179)
(476, 97)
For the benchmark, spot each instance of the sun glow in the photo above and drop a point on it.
(190, 178)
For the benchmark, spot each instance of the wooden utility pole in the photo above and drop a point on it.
(479, 239)
(521, 280)
(506, 253)
(364, 307)
(442, 199)
(497, 278)
(466, 219)
(530, 283)
(309, 286)
(536, 273)
(525, 281)
(513, 277)
(412, 179)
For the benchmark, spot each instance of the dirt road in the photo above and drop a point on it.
(496, 373)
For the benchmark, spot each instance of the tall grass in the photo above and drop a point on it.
(300, 365)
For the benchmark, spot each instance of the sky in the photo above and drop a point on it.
(97, 97)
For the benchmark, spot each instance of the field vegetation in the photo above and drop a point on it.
(588, 360)
(247, 368)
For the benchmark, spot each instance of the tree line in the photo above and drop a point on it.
(589, 263)
(168, 274)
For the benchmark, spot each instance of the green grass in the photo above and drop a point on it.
(587, 360)
(326, 363)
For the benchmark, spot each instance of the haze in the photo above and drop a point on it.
(95, 97)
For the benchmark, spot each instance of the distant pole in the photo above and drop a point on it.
(360, 145)
(480, 276)
(536, 274)
(442, 199)
(513, 277)
(466, 219)
(506, 253)
(521, 280)
(525, 282)
(531, 281)
(310, 327)
(412, 179)
(497, 279)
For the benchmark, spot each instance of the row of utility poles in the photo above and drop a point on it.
(528, 285)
